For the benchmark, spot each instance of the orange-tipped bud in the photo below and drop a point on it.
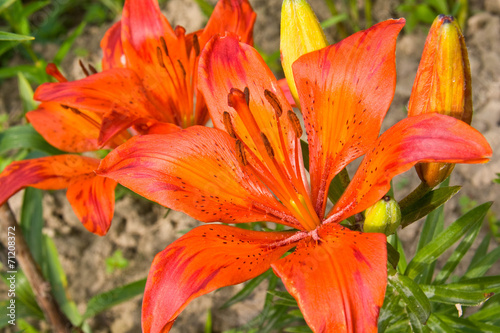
(443, 85)
(301, 33)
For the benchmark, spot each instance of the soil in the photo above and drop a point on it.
(140, 229)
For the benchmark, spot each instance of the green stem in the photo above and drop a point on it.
(417, 193)
(368, 14)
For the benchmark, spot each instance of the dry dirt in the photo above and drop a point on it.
(140, 229)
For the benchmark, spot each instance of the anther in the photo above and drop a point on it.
(164, 46)
(92, 69)
(240, 153)
(196, 45)
(273, 100)
(234, 93)
(85, 71)
(182, 67)
(64, 106)
(159, 55)
(267, 144)
(228, 124)
(294, 120)
(246, 91)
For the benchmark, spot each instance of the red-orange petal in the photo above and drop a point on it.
(339, 281)
(112, 49)
(206, 258)
(194, 171)
(68, 129)
(116, 95)
(286, 90)
(93, 200)
(424, 138)
(345, 91)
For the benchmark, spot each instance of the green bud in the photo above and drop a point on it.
(383, 217)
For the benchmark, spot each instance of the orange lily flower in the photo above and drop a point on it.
(148, 82)
(250, 168)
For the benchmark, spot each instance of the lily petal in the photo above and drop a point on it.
(206, 258)
(194, 171)
(424, 138)
(339, 281)
(112, 49)
(345, 91)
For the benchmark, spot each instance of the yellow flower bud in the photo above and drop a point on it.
(442, 85)
(383, 217)
(301, 33)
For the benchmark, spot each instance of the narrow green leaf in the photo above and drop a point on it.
(437, 325)
(247, 289)
(444, 240)
(205, 7)
(486, 314)
(333, 20)
(25, 136)
(392, 256)
(391, 310)
(33, 73)
(8, 36)
(486, 284)
(416, 325)
(208, 322)
(108, 299)
(444, 294)
(21, 312)
(54, 273)
(32, 222)
(429, 202)
(466, 325)
(4, 4)
(484, 265)
(298, 329)
(305, 153)
(68, 43)
(481, 251)
(25, 327)
(396, 243)
(23, 294)
(414, 298)
(457, 255)
(26, 93)
(33, 7)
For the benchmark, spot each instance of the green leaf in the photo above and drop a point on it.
(21, 312)
(26, 93)
(416, 325)
(247, 289)
(437, 325)
(481, 251)
(68, 43)
(106, 300)
(32, 222)
(205, 7)
(482, 266)
(8, 36)
(446, 239)
(24, 294)
(486, 314)
(447, 295)
(457, 255)
(54, 273)
(298, 329)
(25, 136)
(4, 4)
(414, 298)
(33, 7)
(426, 204)
(391, 310)
(466, 325)
(25, 327)
(32, 73)
(485, 284)
(331, 21)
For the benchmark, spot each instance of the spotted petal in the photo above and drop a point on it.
(206, 258)
(339, 281)
(112, 49)
(345, 91)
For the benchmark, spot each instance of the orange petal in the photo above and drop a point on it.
(345, 91)
(116, 95)
(428, 137)
(286, 90)
(194, 171)
(65, 128)
(339, 281)
(112, 49)
(236, 16)
(206, 258)
(93, 200)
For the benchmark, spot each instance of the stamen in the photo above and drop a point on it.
(164, 46)
(295, 123)
(182, 67)
(196, 45)
(273, 100)
(228, 124)
(246, 91)
(236, 93)
(159, 55)
(85, 71)
(92, 69)
(267, 144)
(240, 153)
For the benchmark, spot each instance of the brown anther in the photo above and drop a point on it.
(75, 110)
(228, 124)
(234, 93)
(294, 120)
(92, 69)
(159, 55)
(267, 144)
(240, 153)
(182, 67)
(246, 91)
(82, 66)
(64, 106)
(273, 100)
(164, 46)
(196, 45)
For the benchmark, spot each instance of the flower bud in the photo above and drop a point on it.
(442, 85)
(301, 33)
(383, 217)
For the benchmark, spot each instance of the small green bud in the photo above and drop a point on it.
(383, 217)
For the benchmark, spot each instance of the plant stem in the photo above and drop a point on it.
(368, 13)
(417, 193)
(41, 288)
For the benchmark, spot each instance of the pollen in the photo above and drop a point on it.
(228, 124)
(240, 153)
(267, 144)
